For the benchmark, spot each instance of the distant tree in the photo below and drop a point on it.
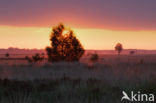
(131, 52)
(94, 57)
(118, 48)
(7, 55)
(64, 47)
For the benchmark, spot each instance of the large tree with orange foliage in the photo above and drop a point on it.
(64, 47)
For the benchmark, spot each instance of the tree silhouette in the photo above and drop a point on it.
(118, 48)
(7, 55)
(64, 47)
(131, 52)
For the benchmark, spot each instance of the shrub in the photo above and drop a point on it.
(35, 58)
(7, 55)
(131, 52)
(28, 59)
(94, 57)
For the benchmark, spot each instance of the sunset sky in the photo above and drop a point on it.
(99, 24)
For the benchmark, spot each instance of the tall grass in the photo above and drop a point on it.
(77, 82)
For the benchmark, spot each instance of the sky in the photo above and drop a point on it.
(98, 24)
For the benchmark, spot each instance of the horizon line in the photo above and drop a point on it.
(85, 49)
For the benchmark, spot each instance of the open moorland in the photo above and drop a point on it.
(101, 81)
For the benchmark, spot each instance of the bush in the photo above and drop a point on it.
(94, 57)
(35, 58)
(131, 52)
(7, 55)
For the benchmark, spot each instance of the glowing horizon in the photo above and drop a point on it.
(97, 39)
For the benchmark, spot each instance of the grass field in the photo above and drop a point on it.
(79, 82)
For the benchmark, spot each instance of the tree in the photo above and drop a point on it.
(131, 52)
(64, 46)
(7, 55)
(118, 48)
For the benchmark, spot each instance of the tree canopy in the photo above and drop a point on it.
(118, 48)
(64, 46)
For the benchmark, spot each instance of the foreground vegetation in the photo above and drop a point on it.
(67, 90)
(97, 82)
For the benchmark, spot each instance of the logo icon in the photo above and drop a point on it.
(125, 96)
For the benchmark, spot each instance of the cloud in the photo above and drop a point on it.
(107, 14)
